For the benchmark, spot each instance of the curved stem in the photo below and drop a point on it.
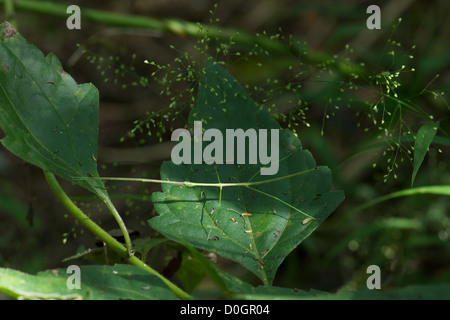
(283, 202)
(80, 216)
(119, 220)
(106, 237)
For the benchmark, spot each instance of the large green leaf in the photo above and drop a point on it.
(275, 228)
(96, 283)
(48, 119)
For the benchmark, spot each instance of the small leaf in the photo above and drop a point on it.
(423, 140)
(48, 119)
(96, 282)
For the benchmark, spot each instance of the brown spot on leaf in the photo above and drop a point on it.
(5, 67)
(8, 30)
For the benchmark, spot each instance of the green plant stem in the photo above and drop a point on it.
(439, 190)
(283, 202)
(205, 184)
(9, 12)
(119, 220)
(106, 237)
(194, 30)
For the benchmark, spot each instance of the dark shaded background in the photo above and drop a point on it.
(338, 253)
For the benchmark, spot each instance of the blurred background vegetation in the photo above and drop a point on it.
(326, 92)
